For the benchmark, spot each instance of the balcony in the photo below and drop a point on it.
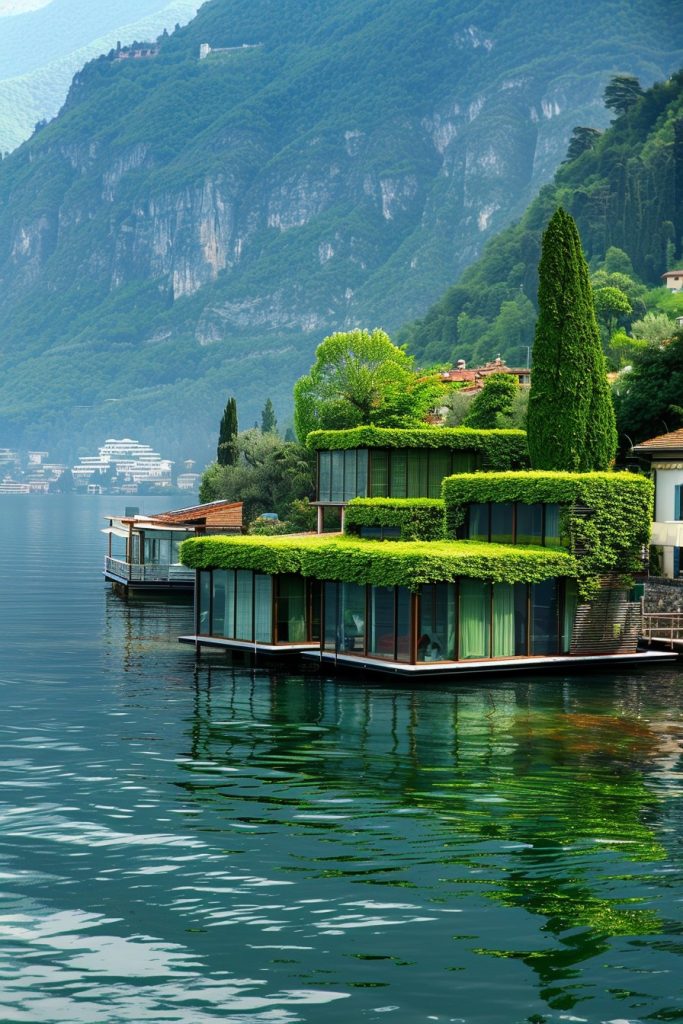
(148, 576)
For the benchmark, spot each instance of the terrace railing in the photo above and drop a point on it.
(147, 573)
(662, 626)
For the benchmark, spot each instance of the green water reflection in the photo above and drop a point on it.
(547, 797)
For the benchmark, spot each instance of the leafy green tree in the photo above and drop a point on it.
(611, 305)
(493, 403)
(621, 93)
(227, 434)
(618, 262)
(648, 397)
(268, 418)
(361, 377)
(582, 139)
(654, 328)
(268, 475)
(570, 418)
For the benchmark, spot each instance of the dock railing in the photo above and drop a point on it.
(125, 571)
(662, 626)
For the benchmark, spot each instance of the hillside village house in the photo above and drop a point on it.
(143, 550)
(506, 570)
(673, 280)
(665, 453)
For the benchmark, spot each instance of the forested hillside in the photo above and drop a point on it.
(625, 192)
(191, 228)
(43, 42)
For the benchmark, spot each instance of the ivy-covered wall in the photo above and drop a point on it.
(401, 563)
(416, 518)
(605, 516)
(500, 449)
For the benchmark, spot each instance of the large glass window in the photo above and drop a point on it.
(552, 526)
(352, 616)
(503, 620)
(157, 550)
(350, 475)
(291, 609)
(464, 462)
(399, 471)
(439, 467)
(218, 613)
(521, 618)
(204, 599)
(337, 485)
(263, 608)
(436, 630)
(418, 479)
(529, 524)
(379, 474)
(331, 634)
(403, 619)
(382, 635)
(544, 617)
(362, 473)
(244, 610)
(502, 523)
(324, 475)
(475, 619)
(478, 527)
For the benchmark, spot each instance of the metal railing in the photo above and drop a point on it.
(148, 573)
(662, 626)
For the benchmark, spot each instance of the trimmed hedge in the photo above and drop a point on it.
(501, 449)
(605, 516)
(416, 518)
(401, 563)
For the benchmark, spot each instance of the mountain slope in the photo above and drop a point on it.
(189, 228)
(627, 192)
(40, 49)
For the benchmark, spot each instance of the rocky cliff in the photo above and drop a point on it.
(188, 228)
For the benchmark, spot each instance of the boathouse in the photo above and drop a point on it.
(143, 551)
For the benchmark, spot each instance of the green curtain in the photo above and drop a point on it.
(475, 618)
(379, 474)
(263, 608)
(552, 526)
(503, 620)
(439, 467)
(324, 476)
(291, 609)
(478, 522)
(362, 472)
(398, 475)
(244, 618)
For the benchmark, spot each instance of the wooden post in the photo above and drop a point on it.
(321, 514)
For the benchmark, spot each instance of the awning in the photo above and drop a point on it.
(116, 532)
(667, 535)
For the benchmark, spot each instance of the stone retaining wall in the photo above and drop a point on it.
(663, 595)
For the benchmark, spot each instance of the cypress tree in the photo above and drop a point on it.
(571, 419)
(268, 418)
(227, 434)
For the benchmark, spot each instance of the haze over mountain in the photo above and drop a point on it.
(188, 229)
(44, 42)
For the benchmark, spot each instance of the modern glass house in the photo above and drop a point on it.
(143, 551)
(530, 571)
(375, 462)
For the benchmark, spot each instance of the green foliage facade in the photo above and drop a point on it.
(226, 453)
(494, 403)
(500, 449)
(570, 419)
(400, 563)
(416, 518)
(605, 516)
(360, 377)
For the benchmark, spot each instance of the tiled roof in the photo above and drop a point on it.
(664, 442)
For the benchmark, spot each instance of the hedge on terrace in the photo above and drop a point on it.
(416, 518)
(500, 449)
(402, 563)
(605, 516)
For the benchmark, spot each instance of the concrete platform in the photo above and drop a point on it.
(573, 663)
(248, 645)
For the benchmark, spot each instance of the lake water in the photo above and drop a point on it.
(195, 843)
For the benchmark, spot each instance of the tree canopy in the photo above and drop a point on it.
(648, 397)
(492, 407)
(570, 418)
(227, 433)
(582, 139)
(360, 377)
(622, 92)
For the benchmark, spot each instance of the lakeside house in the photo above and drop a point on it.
(507, 569)
(673, 280)
(665, 453)
(143, 551)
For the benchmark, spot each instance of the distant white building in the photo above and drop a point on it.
(134, 463)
